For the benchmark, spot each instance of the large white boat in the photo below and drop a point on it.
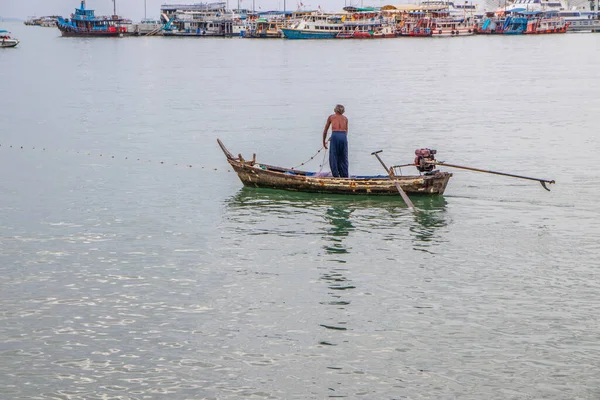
(581, 21)
(203, 19)
(6, 40)
(536, 5)
(455, 9)
(315, 26)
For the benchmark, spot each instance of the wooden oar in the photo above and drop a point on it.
(393, 178)
(541, 181)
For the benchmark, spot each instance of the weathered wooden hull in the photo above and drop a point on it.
(253, 174)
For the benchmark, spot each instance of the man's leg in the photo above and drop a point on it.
(343, 157)
(333, 156)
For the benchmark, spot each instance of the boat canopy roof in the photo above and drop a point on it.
(359, 9)
(517, 10)
(274, 12)
(3, 31)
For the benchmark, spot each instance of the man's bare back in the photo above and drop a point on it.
(338, 122)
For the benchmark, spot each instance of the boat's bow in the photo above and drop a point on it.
(224, 149)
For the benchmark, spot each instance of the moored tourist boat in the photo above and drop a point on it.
(198, 20)
(367, 25)
(84, 22)
(518, 6)
(437, 24)
(255, 174)
(546, 23)
(446, 26)
(6, 41)
(419, 27)
(367, 30)
(515, 25)
(46, 22)
(581, 21)
(493, 23)
(456, 9)
(32, 21)
(263, 28)
(315, 26)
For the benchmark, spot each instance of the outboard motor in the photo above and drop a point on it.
(424, 160)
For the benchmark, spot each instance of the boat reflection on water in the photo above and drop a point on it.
(327, 227)
(427, 224)
(338, 216)
(269, 211)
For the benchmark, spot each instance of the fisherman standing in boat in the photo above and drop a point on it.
(338, 155)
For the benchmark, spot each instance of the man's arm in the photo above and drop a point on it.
(327, 125)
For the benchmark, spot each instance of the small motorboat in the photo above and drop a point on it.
(255, 174)
(430, 181)
(6, 40)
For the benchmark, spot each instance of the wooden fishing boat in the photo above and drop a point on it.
(255, 174)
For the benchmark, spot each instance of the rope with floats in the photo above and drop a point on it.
(312, 158)
(104, 155)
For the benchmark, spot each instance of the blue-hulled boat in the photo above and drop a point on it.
(84, 23)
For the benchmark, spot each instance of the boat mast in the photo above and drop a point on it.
(114, 7)
(145, 9)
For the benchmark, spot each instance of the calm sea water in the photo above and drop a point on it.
(128, 274)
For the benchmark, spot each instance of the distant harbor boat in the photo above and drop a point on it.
(316, 26)
(366, 24)
(581, 21)
(518, 22)
(84, 23)
(198, 20)
(6, 40)
(264, 29)
(440, 23)
(46, 22)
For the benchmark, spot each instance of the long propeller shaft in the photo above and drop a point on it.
(541, 181)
